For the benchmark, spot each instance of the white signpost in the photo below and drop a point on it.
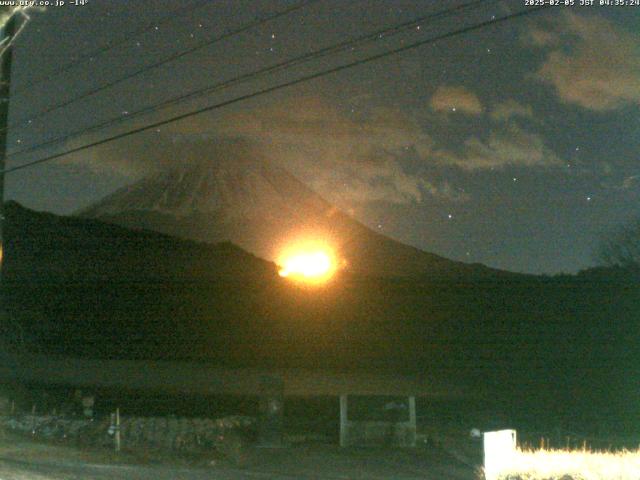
(499, 452)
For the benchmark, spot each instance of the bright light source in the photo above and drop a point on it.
(544, 464)
(314, 264)
(308, 262)
(499, 453)
(504, 460)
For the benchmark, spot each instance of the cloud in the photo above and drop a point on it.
(508, 109)
(629, 183)
(355, 160)
(456, 99)
(599, 71)
(130, 158)
(510, 146)
(348, 159)
(447, 191)
(539, 37)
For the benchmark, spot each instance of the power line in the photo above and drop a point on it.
(171, 58)
(111, 45)
(336, 48)
(283, 85)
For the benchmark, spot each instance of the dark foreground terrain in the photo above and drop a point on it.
(22, 459)
(547, 352)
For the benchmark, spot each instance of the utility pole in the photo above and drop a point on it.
(8, 33)
(7, 36)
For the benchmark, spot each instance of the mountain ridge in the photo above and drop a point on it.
(83, 288)
(233, 193)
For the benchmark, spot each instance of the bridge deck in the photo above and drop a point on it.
(191, 377)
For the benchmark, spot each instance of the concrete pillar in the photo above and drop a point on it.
(412, 422)
(344, 421)
(271, 420)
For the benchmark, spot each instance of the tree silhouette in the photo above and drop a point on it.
(623, 248)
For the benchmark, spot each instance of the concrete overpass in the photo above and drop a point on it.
(271, 385)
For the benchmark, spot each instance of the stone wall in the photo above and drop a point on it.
(179, 434)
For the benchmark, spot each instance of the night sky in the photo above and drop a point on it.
(517, 146)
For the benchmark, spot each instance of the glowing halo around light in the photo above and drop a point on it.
(311, 264)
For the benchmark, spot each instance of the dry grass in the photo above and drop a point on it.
(572, 465)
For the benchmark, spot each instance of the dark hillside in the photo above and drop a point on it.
(85, 288)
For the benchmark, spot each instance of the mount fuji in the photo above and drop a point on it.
(234, 193)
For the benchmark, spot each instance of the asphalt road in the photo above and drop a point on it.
(307, 462)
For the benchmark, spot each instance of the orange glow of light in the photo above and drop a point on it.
(313, 264)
